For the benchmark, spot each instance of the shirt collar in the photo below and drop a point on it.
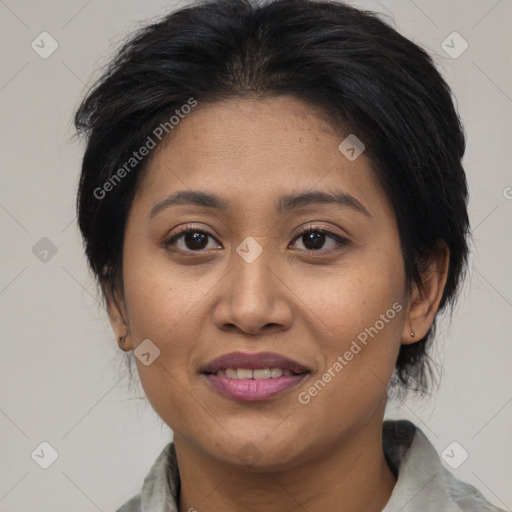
(422, 481)
(161, 486)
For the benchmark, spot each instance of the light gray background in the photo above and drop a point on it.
(59, 379)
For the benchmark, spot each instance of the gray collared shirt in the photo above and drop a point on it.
(423, 483)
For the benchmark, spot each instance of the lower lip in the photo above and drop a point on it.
(253, 389)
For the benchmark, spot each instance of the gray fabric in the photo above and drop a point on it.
(423, 484)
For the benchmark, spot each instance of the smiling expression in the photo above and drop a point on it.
(326, 264)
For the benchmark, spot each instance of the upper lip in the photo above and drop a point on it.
(253, 362)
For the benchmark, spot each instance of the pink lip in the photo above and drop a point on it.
(253, 389)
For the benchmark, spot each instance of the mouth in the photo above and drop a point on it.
(251, 377)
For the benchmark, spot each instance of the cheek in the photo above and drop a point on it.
(163, 308)
(161, 305)
(351, 299)
(162, 298)
(357, 317)
(358, 334)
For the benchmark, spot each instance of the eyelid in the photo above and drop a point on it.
(187, 229)
(339, 239)
(321, 229)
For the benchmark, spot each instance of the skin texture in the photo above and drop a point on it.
(307, 305)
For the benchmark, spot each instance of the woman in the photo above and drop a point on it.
(273, 201)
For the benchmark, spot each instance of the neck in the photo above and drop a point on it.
(351, 475)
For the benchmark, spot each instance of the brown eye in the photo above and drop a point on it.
(314, 239)
(190, 240)
(195, 240)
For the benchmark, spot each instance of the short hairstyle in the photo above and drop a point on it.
(369, 79)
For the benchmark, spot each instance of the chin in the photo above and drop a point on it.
(258, 455)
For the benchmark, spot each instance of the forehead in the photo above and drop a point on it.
(267, 147)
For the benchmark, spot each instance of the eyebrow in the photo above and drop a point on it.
(284, 204)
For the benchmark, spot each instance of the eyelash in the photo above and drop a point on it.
(340, 241)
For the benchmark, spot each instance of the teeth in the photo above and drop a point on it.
(262, 373)
(276, 372)
(259, 374)
(243, 373)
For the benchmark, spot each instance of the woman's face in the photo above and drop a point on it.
(251, 282)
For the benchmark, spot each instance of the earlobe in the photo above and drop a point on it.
(424, 299)
(117, 314)
(122, 339)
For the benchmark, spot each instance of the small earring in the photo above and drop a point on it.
(122, 338)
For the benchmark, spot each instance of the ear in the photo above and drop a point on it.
(117, 314)
(424, 300)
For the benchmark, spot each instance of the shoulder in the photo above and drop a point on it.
(160, 487)
(423, 483)
(470, 499)
(132, 505)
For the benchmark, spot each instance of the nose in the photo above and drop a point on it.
(253, 298)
